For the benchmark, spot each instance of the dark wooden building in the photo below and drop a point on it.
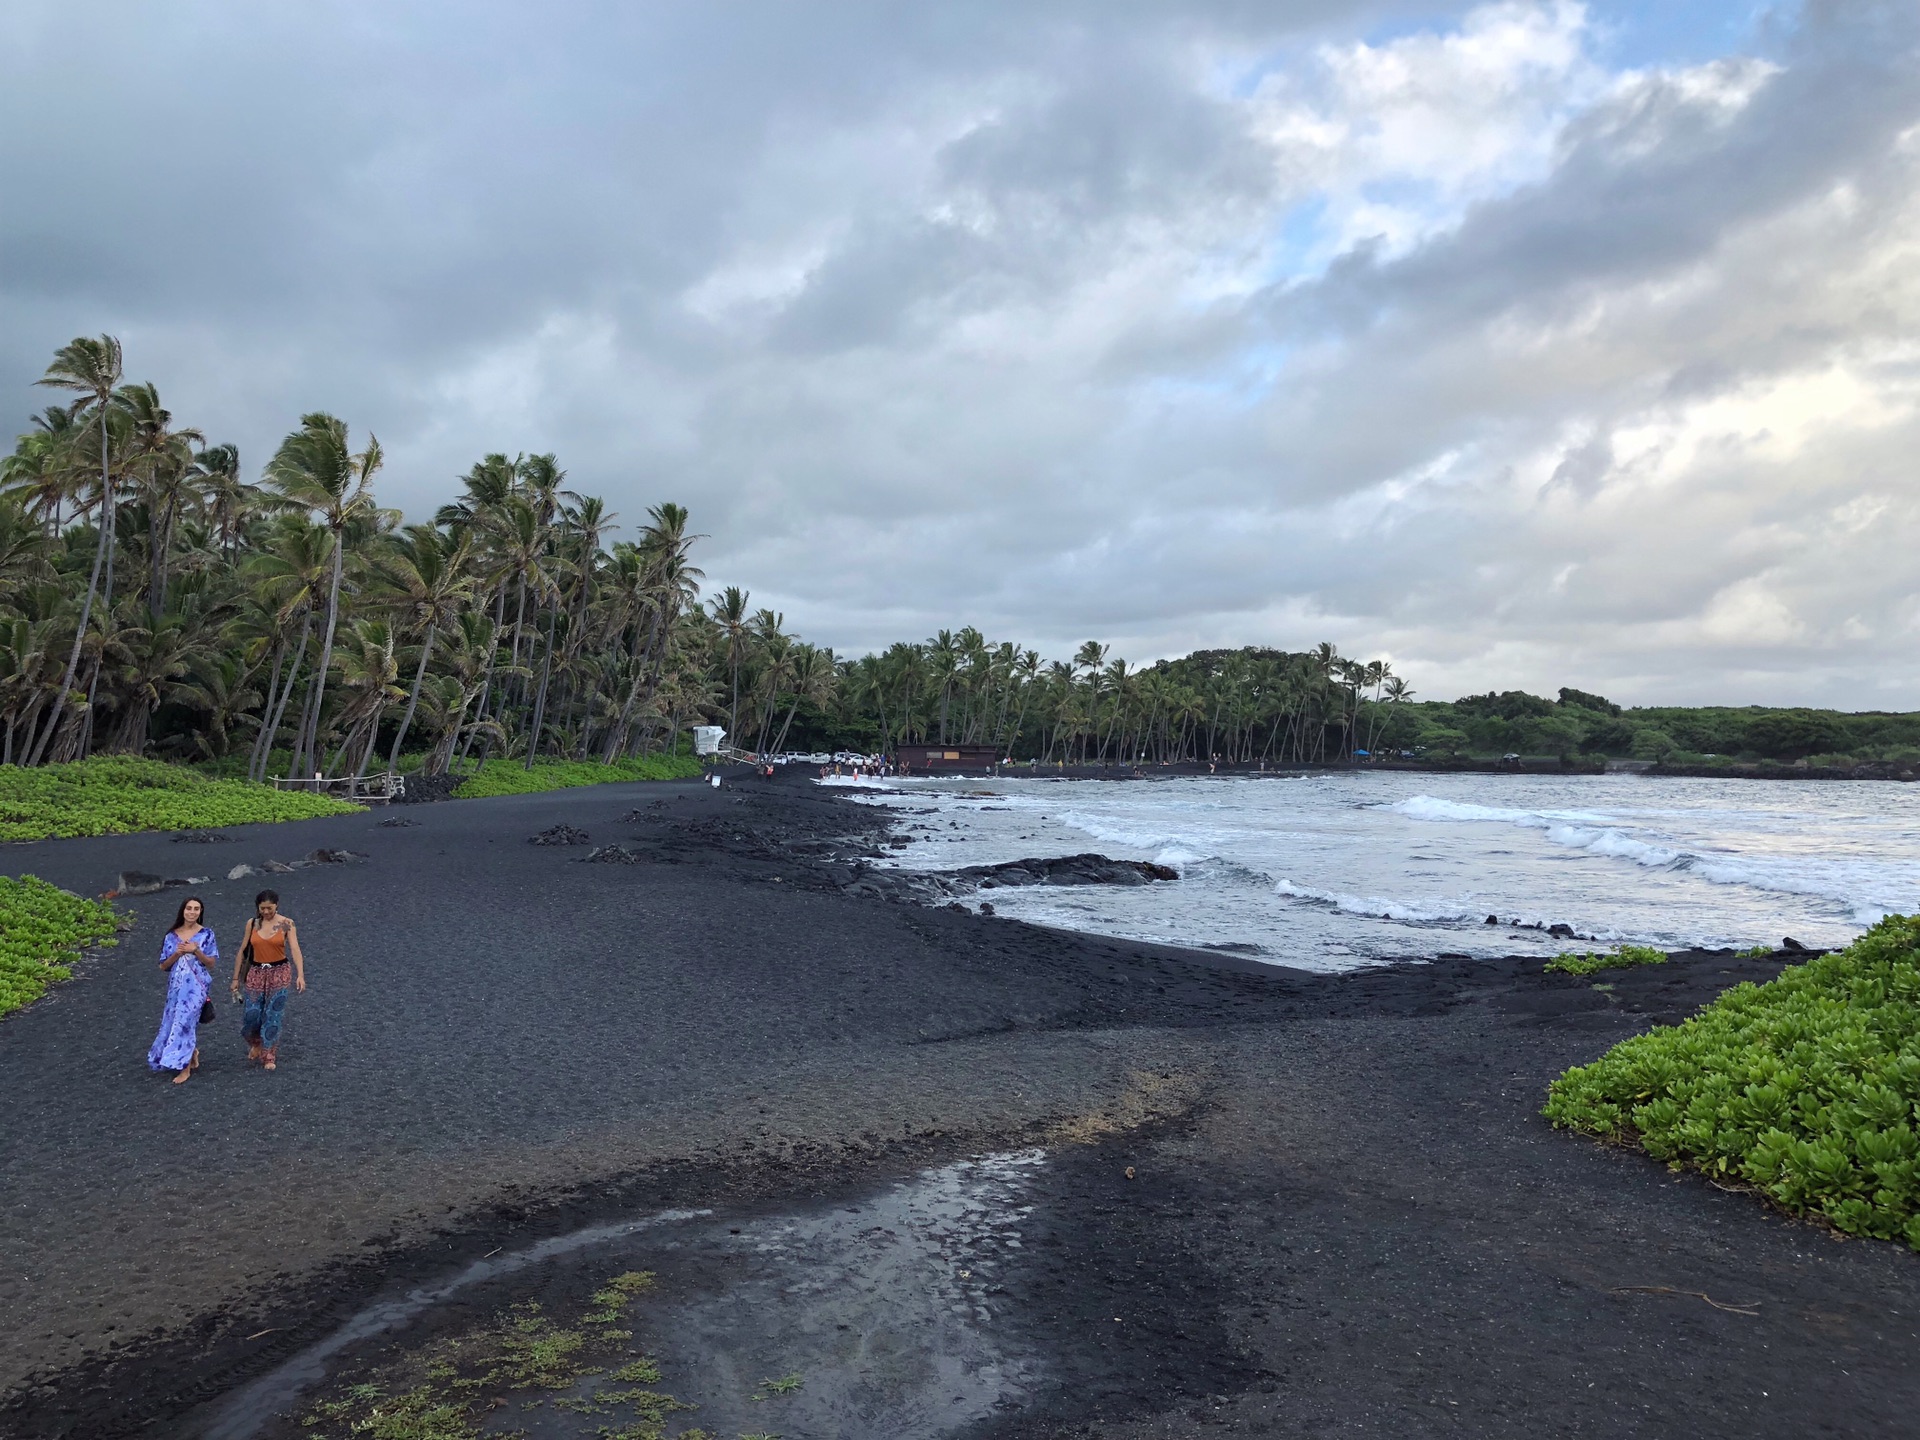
(942, 759)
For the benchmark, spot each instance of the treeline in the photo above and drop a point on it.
(1236, 706)
(154, 600)
(1260, 706)
(1579, 723)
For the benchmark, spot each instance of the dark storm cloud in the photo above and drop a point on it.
(1064, 319)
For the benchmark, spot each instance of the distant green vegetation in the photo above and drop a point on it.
(1259, 706)
(510, 777)
(40, 927)
(1613, 960)
(115, 794)
(1579, 723)
(1805, 1088)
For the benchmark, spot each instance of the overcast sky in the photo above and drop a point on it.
(1525, 344)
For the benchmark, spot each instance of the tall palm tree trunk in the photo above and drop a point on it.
(540, 702)
(308, 748)
(273, 692)
(272, 728)
(86, 608)
(617, 739)
(413, 698)
(486, 684)
(84, 736)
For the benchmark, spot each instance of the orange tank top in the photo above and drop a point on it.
(269, 949)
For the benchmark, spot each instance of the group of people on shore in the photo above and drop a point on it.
(268, 967)
(859, 769)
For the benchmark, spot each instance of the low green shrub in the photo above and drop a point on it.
(1621, 955)
(115, 794)
(511, 777)
(41, 926)
(1805, 1088)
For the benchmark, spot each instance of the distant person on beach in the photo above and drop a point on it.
(270, 963)
(185, 951)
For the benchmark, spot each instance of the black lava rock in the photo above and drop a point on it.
(561, 835)
(612, 855)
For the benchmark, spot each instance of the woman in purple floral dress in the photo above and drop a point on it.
(187, 950)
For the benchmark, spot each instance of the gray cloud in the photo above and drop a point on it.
(1064, 319)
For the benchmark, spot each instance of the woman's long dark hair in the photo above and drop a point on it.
(181, 918)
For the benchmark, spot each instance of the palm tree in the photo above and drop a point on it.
(91, 367)
(583, 527)
(520, 546)
(369, 669)
(810, 677)
(432, 587)
(222, 690)
(155, 661)
(315, 470)
(730, 611)
(290, 574)
(943, 659)
(40, 472)
(490, 483)
(671, 585)
(467, 661)
(230, 500)
(162, 460)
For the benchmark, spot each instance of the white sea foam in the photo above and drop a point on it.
(1339, 870)
(1376, 905)
(1864, 889)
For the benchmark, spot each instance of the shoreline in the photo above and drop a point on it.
(1899, 771)
(747, 1037)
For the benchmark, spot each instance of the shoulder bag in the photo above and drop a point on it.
(206, 1008)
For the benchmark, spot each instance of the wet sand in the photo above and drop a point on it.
(1346, 1215)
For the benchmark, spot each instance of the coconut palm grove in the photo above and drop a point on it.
(157, 600)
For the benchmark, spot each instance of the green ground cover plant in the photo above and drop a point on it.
(1804, 1088)
(1590, 964)
(451, 1388)
(511, 777)
(117, 794)
(42, 926)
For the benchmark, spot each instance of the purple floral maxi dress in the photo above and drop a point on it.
(187, 986)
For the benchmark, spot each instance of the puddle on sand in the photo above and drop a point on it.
(888, 1308)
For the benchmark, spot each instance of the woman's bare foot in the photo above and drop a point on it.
(195, 1064)
(267, 1060)
(183, 1076)
(253, 1054)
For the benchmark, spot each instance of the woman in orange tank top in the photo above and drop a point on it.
(276, 966)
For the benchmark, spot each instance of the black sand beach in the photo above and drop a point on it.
(1344, 1215)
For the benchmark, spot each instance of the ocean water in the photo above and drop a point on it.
(1340, 871)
